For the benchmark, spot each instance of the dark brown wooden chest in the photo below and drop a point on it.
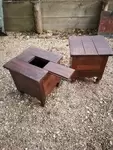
(36, 72)
(89, 55)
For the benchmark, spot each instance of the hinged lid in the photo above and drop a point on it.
(89, 45)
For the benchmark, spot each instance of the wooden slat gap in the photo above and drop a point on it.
(83, 46)
(95, 45)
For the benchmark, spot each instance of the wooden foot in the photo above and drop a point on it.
(43, 102)
(58, 84)
(96, 80)
(21, 92)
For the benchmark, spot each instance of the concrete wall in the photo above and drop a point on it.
(18, 16)
(70, 14)
(111, 5)
(56, 14)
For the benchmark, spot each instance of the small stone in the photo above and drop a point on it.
(1, 102)
(37, 131)
(79, 34)
(88, 112)
(49, 34)
(90, 129)
(101, 102)
(58, 132)
(101, 98)
(22, 101)
(27, 37)
(54, 135)
(111, 142)
(86, 117)
(49, 31)
(42, 36)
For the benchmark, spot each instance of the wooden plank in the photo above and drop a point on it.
(25, 56)
(89, 46)
(102, 45)
(59, 70)
(76, 47)
(26, 69)
(70, 9)
(34, 51)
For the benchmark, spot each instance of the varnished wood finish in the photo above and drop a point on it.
(29, 53)
(89, 46)
(36, 72)
(27, 85)
(49, 82)
(89, 55)
(26, 69)
(60, 70)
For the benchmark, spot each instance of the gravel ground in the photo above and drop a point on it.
(76, 116)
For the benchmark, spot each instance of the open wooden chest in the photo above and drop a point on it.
(36, 72)
(89, 55)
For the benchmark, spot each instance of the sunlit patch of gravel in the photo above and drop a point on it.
(76, 116)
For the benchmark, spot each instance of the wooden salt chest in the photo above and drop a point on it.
(36, 72)
(89, 55)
